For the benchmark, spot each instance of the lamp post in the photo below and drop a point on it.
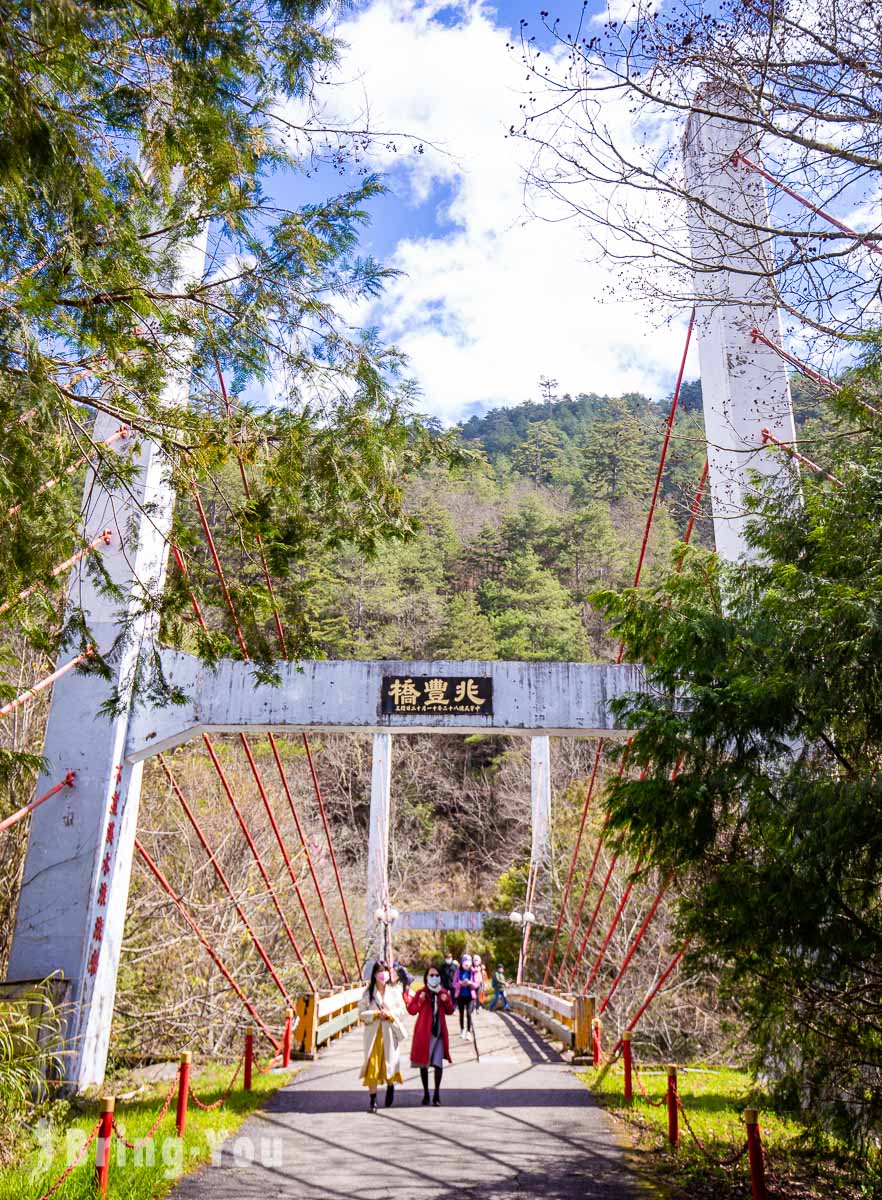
(525, 920)
(386, 915)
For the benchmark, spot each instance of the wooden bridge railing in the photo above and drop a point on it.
(567, 1016)
(322, 1016)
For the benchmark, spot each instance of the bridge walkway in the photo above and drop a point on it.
(517, 1124)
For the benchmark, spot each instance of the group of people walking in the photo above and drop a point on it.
(383, 1008)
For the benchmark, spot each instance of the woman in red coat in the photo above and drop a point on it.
(431, 1006)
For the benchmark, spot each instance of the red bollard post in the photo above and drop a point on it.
(286, 1038)
(673, 1114)
(626, 1060)
(249, 1057)
(755, 1155)
(102, 1145)
(596, 1041)
(183, 1092)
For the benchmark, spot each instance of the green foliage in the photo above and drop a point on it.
(774, 700)
(532, 615)
(25, 1065)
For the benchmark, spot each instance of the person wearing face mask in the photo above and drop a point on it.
(463, 982)
(382, 1011)
(448, 970)
(431, 1045)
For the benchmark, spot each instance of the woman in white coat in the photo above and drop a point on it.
(382, 1010)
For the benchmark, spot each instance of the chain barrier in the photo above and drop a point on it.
(652, 1103)
(223, 1098)
(149, 1136)
(269, 1066)
(725, 1163)
(73, 1166)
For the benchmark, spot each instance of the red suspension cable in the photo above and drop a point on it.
(651, 995)
(247, 489)
(219, 871)
(185, 575)
(757, 335)
(122, 432)
(305, 846)
(263, 872)
(324, 816)
(589, 879)
(738, 158)
(255, 771)
(663, 457)
(21, 813)
(103, 537)
(613, 926)
(566, 892)
(791, 452)
(636, 942)
(593, 921)
(699, 492)
(206, 529)
(47, 682)
(164, 883)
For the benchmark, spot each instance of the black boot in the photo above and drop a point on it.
(390, 1095)
(436, 1099)
(424, 1079)
(373, 1104)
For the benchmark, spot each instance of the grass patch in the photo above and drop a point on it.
(798, 1167)
(152, 1172)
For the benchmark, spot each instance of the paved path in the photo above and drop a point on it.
(516, 1125)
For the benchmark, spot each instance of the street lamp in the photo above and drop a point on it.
(524, 920)
(386, 916)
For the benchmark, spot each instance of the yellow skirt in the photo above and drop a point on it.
(375, 1070)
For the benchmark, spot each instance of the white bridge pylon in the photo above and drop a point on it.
(76, 877)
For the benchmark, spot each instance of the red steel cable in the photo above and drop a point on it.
(305, 846)
(793, 453)
(122, 432)
(47, 682)
(185, 575)
(242, 645)
(566, 892)
(593, 921)
(255, 771)
(663, 457)
(218, 568)
(738, 158)
(757, 335)
(104, 536)
(164, 883)
(669, 425)
(219, 871)
(586, 888)
(651, 995)
(686, 539)
(636, 942)
(266, 575)
(321, 804)
(613, 925)
(17, 816)
(263, 872)
(699, 492)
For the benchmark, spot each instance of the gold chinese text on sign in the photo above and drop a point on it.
(452, 694)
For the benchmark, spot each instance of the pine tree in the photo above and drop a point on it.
(532, 615)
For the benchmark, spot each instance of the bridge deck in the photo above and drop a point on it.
(517, 1124)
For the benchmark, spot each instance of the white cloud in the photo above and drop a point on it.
(490, 299)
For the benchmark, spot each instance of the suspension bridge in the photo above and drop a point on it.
(521, 1120)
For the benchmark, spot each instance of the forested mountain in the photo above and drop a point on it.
(510, 547)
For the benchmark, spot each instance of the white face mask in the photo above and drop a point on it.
(433, 983)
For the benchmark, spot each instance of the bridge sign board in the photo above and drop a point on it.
(436, 694)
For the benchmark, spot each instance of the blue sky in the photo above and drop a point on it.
(489, 298)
